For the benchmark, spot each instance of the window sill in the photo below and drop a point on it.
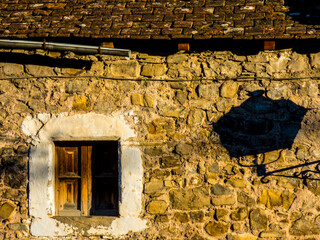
(84, 223)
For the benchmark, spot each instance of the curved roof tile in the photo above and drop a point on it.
(159, 19)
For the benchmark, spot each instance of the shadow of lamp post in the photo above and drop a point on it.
(259, 125)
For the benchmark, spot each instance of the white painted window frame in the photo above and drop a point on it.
(43, 131)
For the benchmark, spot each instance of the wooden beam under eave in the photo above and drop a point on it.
(269, 45)
(184, 47)
(107, 44)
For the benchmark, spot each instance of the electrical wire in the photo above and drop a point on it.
(238, 79)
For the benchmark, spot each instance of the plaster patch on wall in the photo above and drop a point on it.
(120, 227)
(88, 126)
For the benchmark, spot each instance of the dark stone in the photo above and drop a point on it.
(181, 97)
(183, 149)
(159, 174)
(153, 151)
(216, 229)
(181, 217)
(218, 189)
(22, 149)
(303, 227)
(170, 161)
(161, 218)
(258, 219)
(214, 168)
(314, 186)
(196, 216)
(191, 199)
(17, 227)
(245, 199)
(239, 214)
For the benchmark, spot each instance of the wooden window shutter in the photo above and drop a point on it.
(86, 178)
(68, 181)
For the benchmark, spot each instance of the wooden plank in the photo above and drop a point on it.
(269, 45)
(86, 152)
(66, 181)
(89, 167)
(184, 47)
(107, 44)
(57, 184)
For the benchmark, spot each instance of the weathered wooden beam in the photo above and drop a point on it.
(184, 47)
(269, 45)
(107, 44)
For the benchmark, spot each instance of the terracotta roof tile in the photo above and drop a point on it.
(158, 19)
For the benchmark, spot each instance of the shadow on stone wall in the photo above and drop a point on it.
(40, 60)
(259, 125)
(304, 11)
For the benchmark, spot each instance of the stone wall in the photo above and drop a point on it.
(198, 184)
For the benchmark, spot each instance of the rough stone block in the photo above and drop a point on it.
(142, 100)
(229, 89)
(6, 210)
(11, 69)
(156, 137)
(153, 151)
(209, 90)
(271, 198)
(240, 214)
(147, 101)
(161, 218)
(238, 183)
(161, 125)
(97, 68)
(258, 219)
(170, 111)
(177, 58)
(81, 103)
(202, 104)
(181, 97)
(244, 236)
(223, 200)
(272, 234)
(298, 63)
(277, 91)
(76, 86)
(152, 187)
(191, 199)
(20, 107)
(303, 227)
(277, 64)
(218, 189)
(137, 99)
(17, 227)
(196, 117)
(125, 69)
(196, 216)
(153, 70)
(230, 69)
(170, 161)
(183, 149)
(157, 207)
(216, 229)
(181, 217)
(178, 85)
(104, 106)
(315, 60)
(222, 214)
(36, 70)
(214, 168)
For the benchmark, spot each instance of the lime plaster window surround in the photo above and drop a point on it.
(43, 130)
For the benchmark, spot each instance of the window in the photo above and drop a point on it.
(86, 178)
